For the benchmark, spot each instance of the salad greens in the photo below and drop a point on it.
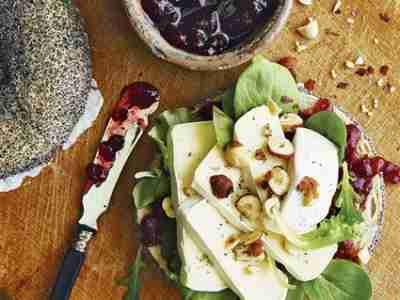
(223, 126)
(264, 81)
(163, 123)
(150, 189)
(331, 126)
(132, 281)
(341, 280)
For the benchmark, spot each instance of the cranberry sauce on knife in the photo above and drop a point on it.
(208, 27)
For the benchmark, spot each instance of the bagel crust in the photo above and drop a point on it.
(45, 75)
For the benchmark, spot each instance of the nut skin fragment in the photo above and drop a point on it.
(249, 206)
(310, 189)
(221, 186)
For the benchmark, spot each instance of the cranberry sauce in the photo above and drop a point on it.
(134, 99)
(208, 27)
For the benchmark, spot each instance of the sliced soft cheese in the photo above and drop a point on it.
(189, 143)
(252, 131)
(315, 157)
(302, 265)
(211, 230)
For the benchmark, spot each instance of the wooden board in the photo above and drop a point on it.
(36, 221)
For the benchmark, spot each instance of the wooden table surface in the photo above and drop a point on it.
(36, 221)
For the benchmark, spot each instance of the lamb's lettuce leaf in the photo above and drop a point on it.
(132, 281)
(223, 126)
(165, 121)
(264, 81)
(150, 189)
(341, 280)
(331, 126)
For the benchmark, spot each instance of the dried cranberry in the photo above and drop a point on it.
(391, 173)
(221, 185)
(116, 142)
(140, 94)
(347, 251)
(368, 167)
(150, 231)
(119, 114)
(106, 152)
(97, 173)
(310, 85)
(363, 186)
(353, 135)
(320, 105)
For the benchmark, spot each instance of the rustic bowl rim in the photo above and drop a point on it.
(162, 49)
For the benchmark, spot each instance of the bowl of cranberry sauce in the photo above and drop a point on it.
(208, 34)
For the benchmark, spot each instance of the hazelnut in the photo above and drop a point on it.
(221, 185)
(236, 155)
(280, 147)
(256, 248)
(310, 189)
(278, 181)
(290, 122)
(249, 206)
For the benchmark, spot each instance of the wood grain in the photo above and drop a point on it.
(36, 220)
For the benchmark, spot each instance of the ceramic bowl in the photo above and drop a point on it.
(258, 42)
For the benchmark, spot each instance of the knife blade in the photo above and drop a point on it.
(126, 126)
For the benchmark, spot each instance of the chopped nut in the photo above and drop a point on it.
(232, 241)
(361, 71)
(310, 189)
(375, 103)
(354, 13)
(168, 208)
(250, 237)
(381, 82)
(385, 17)
(360, 61)
(249, 206)
(333, 74)
(384, 70)
(310, 30)
(350, 21)
(289, 62)
(189, 192)
(261, 155)
(290, 121)
(336, 7)
(376, 41)
(349, 64)
(391, 88)
(300, 47)
(342, 85)
(236, 155)
(310, 85)
(221, 185)
(280, 147)
(306, 2)
(278, 181)
(364, 108)
(370, 114)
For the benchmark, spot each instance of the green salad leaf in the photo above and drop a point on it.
(163, 124)
(151, 189)
(264, 81)
(331, 126)
(227, 294)
(341, 280)
(223, 126)
(296, 294)
(227, 99)
(132, 281)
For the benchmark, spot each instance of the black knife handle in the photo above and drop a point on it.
(72, 264)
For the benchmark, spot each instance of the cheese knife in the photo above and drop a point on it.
(125, 127)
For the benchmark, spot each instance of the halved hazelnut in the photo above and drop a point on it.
(236, 155)
(290, 122)
(221, 185)
(249, 206)
(280, 147)
(278, 181)
(250, 237)
(310, 189)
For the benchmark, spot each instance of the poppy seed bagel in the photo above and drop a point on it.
(45, 75)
